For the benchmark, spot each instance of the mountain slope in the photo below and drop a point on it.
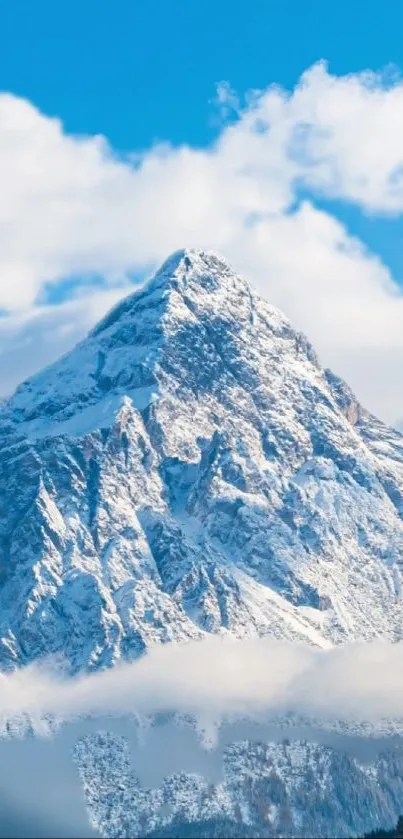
(289, 789)
(191, 468)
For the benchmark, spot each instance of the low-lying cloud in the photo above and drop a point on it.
(217, 679)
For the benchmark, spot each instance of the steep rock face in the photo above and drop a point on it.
(191, 468)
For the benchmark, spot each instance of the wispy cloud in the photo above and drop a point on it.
(217, 678)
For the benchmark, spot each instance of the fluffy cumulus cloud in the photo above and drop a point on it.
(72, 208)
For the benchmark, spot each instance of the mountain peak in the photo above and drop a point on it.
(193, 260)
(122, 353)
(187, 269)
(190, 468)
(197, 269)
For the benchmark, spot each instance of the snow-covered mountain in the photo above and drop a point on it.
(190, 468)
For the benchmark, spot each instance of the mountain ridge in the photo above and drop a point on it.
(190, 468)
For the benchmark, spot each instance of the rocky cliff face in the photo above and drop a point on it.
(190, 468)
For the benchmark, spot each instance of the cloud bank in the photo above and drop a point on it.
(72, 209)
(218, 679)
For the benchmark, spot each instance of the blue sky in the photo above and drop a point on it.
(140, 71)
(82, 230)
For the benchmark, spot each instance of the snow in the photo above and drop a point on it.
(191, 468)
(192, 447)
(290, 788)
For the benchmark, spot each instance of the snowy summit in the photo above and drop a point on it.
(190, 468)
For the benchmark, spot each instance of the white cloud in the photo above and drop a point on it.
(226, 101)
(70, 207)
(354, 684)
(32, 339)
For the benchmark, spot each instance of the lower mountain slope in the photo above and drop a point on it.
(289, 789)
